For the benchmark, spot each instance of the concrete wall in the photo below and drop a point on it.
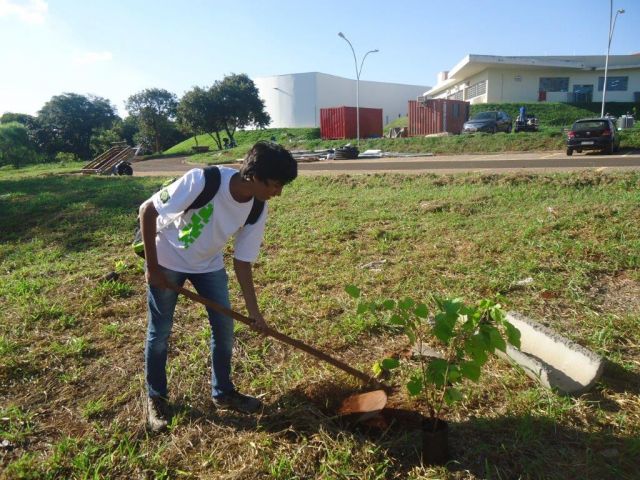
(526, 89)
(522, 84)
(290, 100)
(295, 100)
(472, 80)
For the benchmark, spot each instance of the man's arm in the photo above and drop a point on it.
(148, 216)
(244, 274)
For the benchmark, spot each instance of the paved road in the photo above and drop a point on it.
(503, 162)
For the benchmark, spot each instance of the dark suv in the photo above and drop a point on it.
(489, 122)
(593, 134)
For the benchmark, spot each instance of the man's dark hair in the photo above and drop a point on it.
(269, 161)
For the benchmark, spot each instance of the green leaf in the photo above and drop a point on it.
(414, 386)
(497, 313)
(452, 306)
(443, 328)
(411, 334)
(452, 395)
(362, 307)
(352, 290)
(390, 363)
(397, 320)
(406, 304)
(496, 339)
(421, 311)
(471, 370)
(377, 369)
(476, 348)
(454, 374)
(437, 371)
(388, 304)
(513, 334)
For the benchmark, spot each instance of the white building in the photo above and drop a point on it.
(295, 100)
(573, 79)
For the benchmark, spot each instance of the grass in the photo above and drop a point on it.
(71, 342)
(552, 114)
(554, 119)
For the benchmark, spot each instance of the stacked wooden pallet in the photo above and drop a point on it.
(104, 163)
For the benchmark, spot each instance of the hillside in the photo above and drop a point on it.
(554, 118)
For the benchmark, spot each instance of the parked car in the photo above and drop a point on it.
(593, 134)
(490, 122)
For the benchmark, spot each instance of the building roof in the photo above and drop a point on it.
(473, 63)
(342, 78)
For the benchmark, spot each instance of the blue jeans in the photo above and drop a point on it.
(161, 306)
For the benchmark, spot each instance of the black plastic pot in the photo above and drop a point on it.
(435, 441)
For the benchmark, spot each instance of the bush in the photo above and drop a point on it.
(66, 157)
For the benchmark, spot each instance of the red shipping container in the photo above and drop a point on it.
(437, 115)
(340, 122)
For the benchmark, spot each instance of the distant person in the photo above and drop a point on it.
(523, 114)
(232, 144)
(273, 139)
(190, 247)
(225, 143)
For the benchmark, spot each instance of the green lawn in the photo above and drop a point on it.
(71, 342)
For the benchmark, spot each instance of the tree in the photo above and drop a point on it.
(191, 112)
(15, 146)
(241, 105)
(71, 119)
(127, 128)
(103, 140)
(154, 108)
(22, 118)
(200, 112)
(37, 135)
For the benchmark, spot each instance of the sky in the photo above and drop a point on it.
(116, 48)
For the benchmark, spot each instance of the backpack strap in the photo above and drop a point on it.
(211, 187)
(256, 211)
(212, 179)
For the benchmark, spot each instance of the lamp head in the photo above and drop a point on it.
(340, 34)
(375, 51)
(620, 10)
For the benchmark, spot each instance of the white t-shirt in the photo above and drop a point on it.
(193, 242)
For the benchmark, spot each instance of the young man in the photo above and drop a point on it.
(181, 243)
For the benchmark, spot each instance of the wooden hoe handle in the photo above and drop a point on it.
(366, 379)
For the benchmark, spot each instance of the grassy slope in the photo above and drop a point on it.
(549, 114)
(71, 343)
(553, 118)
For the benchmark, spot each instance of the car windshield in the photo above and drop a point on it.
(590, 125)
(485, 116)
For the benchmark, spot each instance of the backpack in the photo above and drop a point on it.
(211, 187)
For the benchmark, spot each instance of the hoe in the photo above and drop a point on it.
(363, 403)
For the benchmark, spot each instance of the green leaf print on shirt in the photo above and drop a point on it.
(193, 229)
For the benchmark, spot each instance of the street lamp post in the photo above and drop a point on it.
(612, 25)
(358, 72)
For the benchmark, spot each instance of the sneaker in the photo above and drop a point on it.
(238, 402)
(158, 413)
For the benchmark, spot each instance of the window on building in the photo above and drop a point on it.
(554, 84)
(456, 110)
(614, 83)
(476, 89)
(459, 95)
